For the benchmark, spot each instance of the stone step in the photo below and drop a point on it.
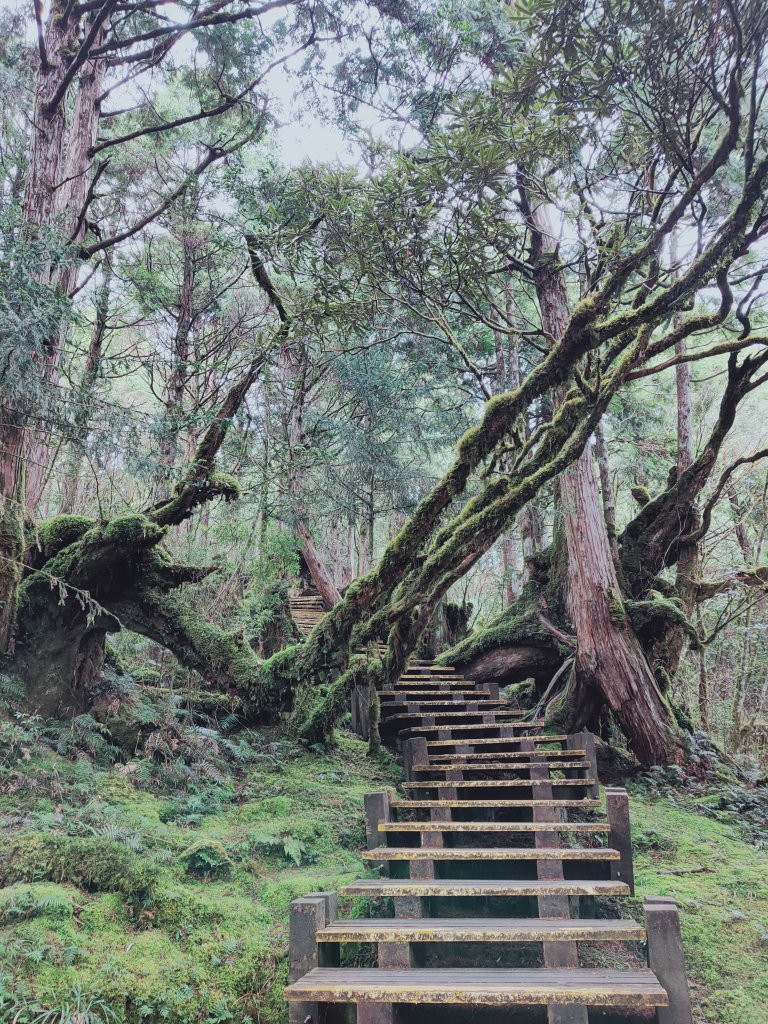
(463, 693)
(473, 986)
(429, 707)
(496, 714)
(482, 929)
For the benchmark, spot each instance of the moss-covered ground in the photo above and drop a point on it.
(721, 883)
(124, 899)
(125, 904)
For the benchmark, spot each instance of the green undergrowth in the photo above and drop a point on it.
(720, 880)
(131, 902)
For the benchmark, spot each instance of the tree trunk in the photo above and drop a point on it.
(606, 489)
(177, 381)
(86, 388)
(59, 180)
(321, 577)
(609, 657)
(12, 543)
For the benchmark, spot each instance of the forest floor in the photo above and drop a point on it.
(129, 901)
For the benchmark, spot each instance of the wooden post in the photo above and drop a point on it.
(666, 958)
(586, 741)
(409, 907)
(376, 810)
(414, 756)
(361, 712)
(620, 836)
(375, 1013)
(491, 687)
(556, 954)
(308, 916)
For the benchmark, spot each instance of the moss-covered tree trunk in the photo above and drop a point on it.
(609, 656)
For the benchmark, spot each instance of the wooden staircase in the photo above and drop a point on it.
(495, 862)
(306, 610)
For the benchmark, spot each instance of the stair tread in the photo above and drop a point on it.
(476, 725)
(418, 704)
(497, 783)
(504, 755)
(496, 712)
(487, 741)
(481, 929)
(586, 986)
(482, 887)
(434, 693)
(497, 766)
(491, 853)
(496, 803)
(494, 826)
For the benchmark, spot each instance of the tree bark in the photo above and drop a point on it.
(608, 655)
(91, 372)
(606, 489)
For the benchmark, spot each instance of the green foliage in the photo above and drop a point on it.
(96, 864)
(206, 858)
(171, 904)
(721, 884)
(53, 535)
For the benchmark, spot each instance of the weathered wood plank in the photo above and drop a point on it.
(482, 887)
(482, 929)
(472, 986)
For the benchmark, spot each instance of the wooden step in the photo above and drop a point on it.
(494, 826)
(501, 804)
(481, 741)
(482, 929)
(501, 766)
(442, 695)
(390, 887)
(495, 713)
(426, 707)
(473, 986)
(508, 756)
(498, 783)
(420, 729)
(444, 853)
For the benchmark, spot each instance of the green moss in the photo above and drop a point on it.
(42, 899)
(721, 884)
(53, 535)
(131, 530)
(640, 494)
(91, 863)
(206, 858)
(515, 626)
(224, 484)
(202, 948)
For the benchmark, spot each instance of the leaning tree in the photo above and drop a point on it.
(616, 132)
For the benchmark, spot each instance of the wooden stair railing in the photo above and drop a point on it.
(483, 824)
